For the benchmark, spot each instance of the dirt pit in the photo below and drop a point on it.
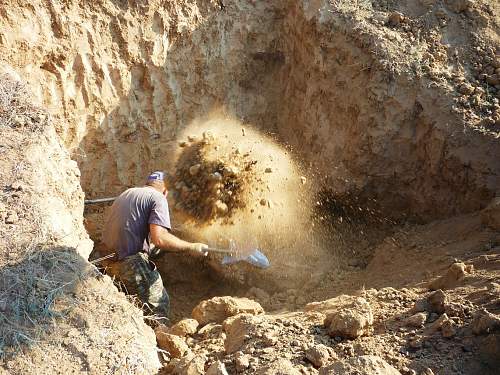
(392, 108)
(230, 186)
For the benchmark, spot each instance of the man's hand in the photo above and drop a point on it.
(199, 248)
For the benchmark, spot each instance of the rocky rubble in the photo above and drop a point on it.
(185, 327)
(302, 343)
(399, 75)
(174, 345)
(318, 355)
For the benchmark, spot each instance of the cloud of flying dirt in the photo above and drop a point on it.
(273, 198)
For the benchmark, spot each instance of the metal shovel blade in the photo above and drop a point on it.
(255, 258)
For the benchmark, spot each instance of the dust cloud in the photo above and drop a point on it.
(231, 182)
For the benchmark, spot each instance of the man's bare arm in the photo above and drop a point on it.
(163, 239)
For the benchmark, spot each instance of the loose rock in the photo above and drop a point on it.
(217, 368)
(416, 320)
(218, 309)
(438, 324)
(194, 367)
(436, 302)
(238, 329)
(351, 321)
(279, 367)
(185, 327)
(318, 355)
(448, 328)
(453, 276)
(175, 345)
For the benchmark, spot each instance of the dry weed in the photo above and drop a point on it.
(28, 291)
(16, 106)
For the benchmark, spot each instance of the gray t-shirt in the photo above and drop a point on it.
(127, 227)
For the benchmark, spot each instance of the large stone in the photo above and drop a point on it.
(448, 328)
(453, 276)
(436, 302)
(218, 309)
(175, 345)
(438, 324)
(184, 327)
(195, 366)
(490, 216)
(362, 365)
(190, 364)
(351, 321)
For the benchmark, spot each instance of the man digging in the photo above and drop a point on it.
(138, 218)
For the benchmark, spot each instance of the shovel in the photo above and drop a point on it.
(232, 255)
(254, 257)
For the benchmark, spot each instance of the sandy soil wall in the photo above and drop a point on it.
(124, 78)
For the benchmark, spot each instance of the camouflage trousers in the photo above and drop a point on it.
(140, 277)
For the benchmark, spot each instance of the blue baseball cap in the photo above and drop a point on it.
(157, 175)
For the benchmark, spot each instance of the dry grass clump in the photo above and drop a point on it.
(16, 106)
(28, 291)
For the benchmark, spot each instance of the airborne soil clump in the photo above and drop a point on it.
(209, 182)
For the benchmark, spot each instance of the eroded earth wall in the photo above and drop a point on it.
(342, 85)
